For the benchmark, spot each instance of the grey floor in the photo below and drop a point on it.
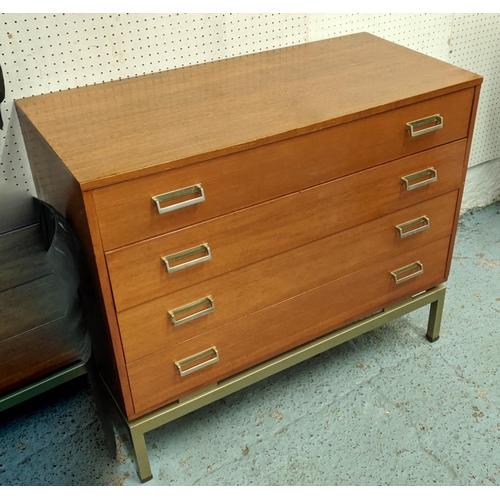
(388, 408)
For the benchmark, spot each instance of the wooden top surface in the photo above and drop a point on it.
(111, 132)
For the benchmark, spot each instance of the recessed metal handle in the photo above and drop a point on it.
(405, 277)
(168, 259)
(430, 172)
(422, 224)
(187, 361)
(188, 307)
(179, 193)
(422, 122)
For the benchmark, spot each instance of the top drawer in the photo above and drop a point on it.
(127, 212)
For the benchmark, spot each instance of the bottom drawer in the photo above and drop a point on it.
(148, 329)
(157, 380)
(38, 353)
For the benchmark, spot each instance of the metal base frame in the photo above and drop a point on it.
(20, 395)
(139, 427)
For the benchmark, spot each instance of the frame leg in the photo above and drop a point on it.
(435, 315)
(141, 455)
(137, 428)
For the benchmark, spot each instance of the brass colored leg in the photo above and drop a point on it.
(435, 315)
(139, 427)
(141, 455)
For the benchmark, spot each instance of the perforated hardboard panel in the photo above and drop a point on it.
(42, 53)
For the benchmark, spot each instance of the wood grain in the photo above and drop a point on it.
(147, 329)
(106, 341)
(36, 353)
(256, 338)
(30, 305)
(300, 151)
(40, 332)
(241, 238)
(56, 185)
(22, 257)
(109, 132)
(126, 213)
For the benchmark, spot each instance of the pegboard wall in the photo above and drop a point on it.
(42, 53)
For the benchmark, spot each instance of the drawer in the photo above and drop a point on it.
(46, 305)
(37, 353)
(149, 328)
(23, 257)
(127, 213)
(156, 380)
(138, 273)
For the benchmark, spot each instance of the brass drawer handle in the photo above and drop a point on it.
(417, 175)
(437, 119)
(180, 364)
(168, 259)
(193, 305)
(403, 270)
(179, 193)
(422, 224)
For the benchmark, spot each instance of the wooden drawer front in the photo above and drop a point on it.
(126, 212)
(148, 328)
(138, 274)
(155, 380)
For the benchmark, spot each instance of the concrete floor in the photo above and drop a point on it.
(388, 408)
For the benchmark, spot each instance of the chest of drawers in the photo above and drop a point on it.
(234, 211)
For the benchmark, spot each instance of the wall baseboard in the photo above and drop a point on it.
(482, 185)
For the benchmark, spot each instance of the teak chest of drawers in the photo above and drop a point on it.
(235, 213)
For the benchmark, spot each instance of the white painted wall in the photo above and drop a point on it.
(482, 186)
(42, 53)
(471, 41)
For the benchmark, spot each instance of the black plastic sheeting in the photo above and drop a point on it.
(65, 260)
(44, 320)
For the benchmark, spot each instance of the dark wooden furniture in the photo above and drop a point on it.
(236, 212)
(43, 331)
